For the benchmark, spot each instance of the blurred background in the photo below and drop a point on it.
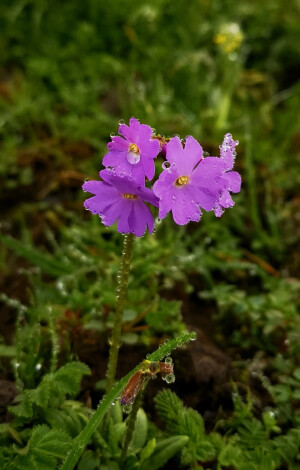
(69, 71)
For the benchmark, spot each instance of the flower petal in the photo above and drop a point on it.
(113, 212)
(205, 198)
(123, 224)
(144, 133)
(184, 207)
(174, 151)
(138, 218)
(234, 181)
(192, 154)
(98, 204)
(210, 167)
(147, 195)
(98, 187)
(118, 144)
(226, 200)
(130, 132)
(227, 151)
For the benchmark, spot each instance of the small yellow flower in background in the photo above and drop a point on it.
(229, 38)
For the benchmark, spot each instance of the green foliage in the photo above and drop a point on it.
(52, 389)
(164, 451)
(181, 420)
(68, 72)
(247, 442)
(43, 449)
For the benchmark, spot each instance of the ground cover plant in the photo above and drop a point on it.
(69, 72)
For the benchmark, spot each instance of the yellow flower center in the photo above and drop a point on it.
(182, 180)
(133, 148)
(129, 196)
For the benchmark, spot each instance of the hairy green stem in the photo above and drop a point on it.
(131, 422)
(54, 340)
(81, 441)
(120, 305)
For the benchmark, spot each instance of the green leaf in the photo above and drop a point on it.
(148, 449)
(44, 460)
(88, 461)
(205, 450)
(41, 394)
(230, 454)
(24, 409)
(7, 351)
(171, 410)
(45, 262)
(53, 442)
(116, 412)
(140, 431)
(164, 451)
(69, 376)
(181, 420)
(120, 430)
(296, 373)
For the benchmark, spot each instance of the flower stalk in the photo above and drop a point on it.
(83, 438)
(120, 305)
(131, 422)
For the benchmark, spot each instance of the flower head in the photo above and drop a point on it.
(133, 153)
(229, 38)
(192, 182)
(231, 178)
(121, 198)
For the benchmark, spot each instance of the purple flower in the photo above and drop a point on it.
(232, 178)
(135, 153)
(120, 197)
(192, 182)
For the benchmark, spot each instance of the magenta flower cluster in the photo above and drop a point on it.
(188, 183)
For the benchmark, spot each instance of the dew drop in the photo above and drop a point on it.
(133, 158)
(112, 134)
(127, 408)
(121, 121)
(170, 378)
(166, 165)
(169, 360)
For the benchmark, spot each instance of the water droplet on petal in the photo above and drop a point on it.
(133, 158)
(121, 121)
(112, 134)
(166, 165)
